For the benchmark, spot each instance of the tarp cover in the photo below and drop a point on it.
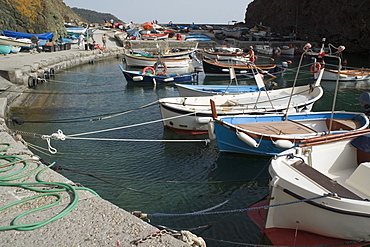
(362, 143)
(19, 35)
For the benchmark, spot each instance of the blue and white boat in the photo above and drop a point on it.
(272, 134)
(148, 75)
(197, 37)
(187, 90)
(20, 35)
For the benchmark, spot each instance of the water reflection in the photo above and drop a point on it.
(178, 177)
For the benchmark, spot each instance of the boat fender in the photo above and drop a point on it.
(52, 72)
(148, 68)
(316, 67)
(247, 139)
(283, 144)
(284, 64)
(211, 130)
(169, 79)
(137, 78)
(203, 120)
(225, 70)
(32, 82)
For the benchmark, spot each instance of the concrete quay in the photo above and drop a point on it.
(93, 221)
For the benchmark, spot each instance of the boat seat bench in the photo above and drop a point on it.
(323, 180)
(344, 124)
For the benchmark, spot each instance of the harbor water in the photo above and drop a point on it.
(129, 159)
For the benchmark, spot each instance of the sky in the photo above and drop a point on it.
(177, 11)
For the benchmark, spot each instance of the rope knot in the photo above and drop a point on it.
(56, 136)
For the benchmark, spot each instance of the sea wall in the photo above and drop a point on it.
(342, 22)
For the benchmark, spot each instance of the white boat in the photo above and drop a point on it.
(344, 74)
(5, 40)
(141, 61)
(187, 90)
(323, 187)
(234, 33)
(226, 54)
(191, 115)
(286, 50)
(264, 49)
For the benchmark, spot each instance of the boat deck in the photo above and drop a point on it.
(292, 127)
(331, 185)
(277, 128)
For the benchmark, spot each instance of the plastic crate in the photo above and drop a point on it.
(48, 48)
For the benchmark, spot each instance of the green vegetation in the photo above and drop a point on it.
(95, 17)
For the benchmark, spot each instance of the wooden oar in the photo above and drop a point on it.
(332, 138)
(213, 108)
(261, 70)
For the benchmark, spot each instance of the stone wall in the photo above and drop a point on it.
(342, 22)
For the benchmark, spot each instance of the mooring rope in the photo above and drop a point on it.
(128, 126)
(234, 210)
(61, 136)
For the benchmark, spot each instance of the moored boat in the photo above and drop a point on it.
(271, 134)
(140, 61)
(218, 68)
(191, 115)
(344, 74)
(322, 187)
(286, 50)
(148, 75)
(226, 54)
(187, 90)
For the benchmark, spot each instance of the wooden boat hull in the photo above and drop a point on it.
(212, 68)
(4, 40)
(190, 115)
(174, 55)
(226, 56)
(271, 134)
(138, 77)
(346, 75)
(316, 171)
(139, 61)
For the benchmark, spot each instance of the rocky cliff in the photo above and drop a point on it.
(36, 16)
(341, 22)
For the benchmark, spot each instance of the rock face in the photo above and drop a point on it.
(342, 22)
(37, 16)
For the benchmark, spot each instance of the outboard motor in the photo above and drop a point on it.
(365, 103)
